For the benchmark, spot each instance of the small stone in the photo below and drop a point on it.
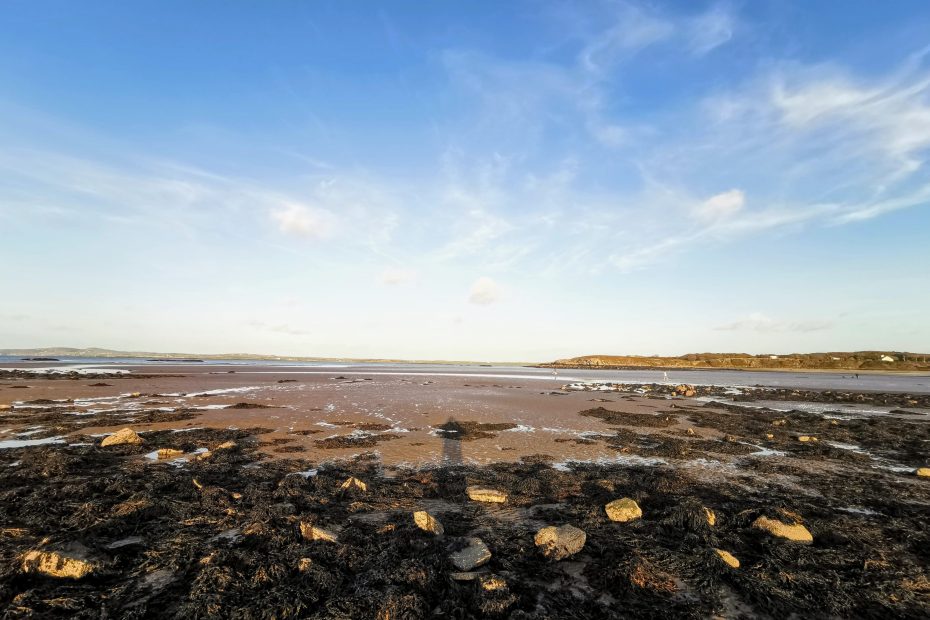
(483, 494)
(63, 565)
(427, 522)
(469, 576)
(474, 555)
(806, 438)
(135, 395)
(353, 484)
(794, 532)
(728, 558)
(226, 445)
(558, 543)
(623, 510)
(769, 436)
(204, 455)
(690, 431)
(311, 532)
(125, 436)
(923, 472)
(711, 516)
(304, 564)
(492, 583)
(781, 422)
(169, 453)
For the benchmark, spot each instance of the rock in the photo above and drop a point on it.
(806, 438)
(483, 494)
(304, 564)
(66, 564)
(125, 436)
(353, 484)
(690, 431)
(623, 510)
(204, 455)
(132, 541)
(226, 445)
(492, 583)
(689, 393)
(711, 516)
(427, 522)
(923, 472)
(474, 555)
(794, 532)
(135, 395)
(311, 532)
(728, 558)
(558, 543)
(469, 576)
(169, 453)
(769, 436)
(781, 422)
(731, 438)
(5, 407)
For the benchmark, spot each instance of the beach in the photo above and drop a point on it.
(213, 509)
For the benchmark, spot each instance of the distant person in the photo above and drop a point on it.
(665, 377)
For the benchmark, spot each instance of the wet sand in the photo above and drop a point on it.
(417, 441)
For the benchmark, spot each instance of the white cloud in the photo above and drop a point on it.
(297, 219)
(758, 322)
(722, 205)
(484, 291)
(710, 30)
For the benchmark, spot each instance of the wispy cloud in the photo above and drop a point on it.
(484, 292)
(758, 322)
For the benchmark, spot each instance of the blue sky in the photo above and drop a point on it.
(473, 180)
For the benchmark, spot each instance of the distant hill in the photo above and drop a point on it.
(160, 356)
(857, 360)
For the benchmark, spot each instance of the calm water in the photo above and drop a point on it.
(818, 380)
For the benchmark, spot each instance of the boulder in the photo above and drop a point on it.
(313, 533)
(353, 484)
(623, 510)
(125, 436)
(72, 563)
(170, 453)
(474, 555)
(427, 522)
(484, 494)
(728, 558)
(794, 531)
(558, 543)
(923, 472)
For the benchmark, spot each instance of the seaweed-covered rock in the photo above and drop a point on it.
(558, 543)
(313, 533)
(727, 558)
(71, 562)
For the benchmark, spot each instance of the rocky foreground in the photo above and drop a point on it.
(96, 530)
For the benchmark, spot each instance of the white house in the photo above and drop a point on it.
(887, 358)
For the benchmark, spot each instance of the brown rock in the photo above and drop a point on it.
(353, 484)
(492, 583)
(923, 472)
(311, 532)
(226, 445)
(794, 532)
(169, 453)
(484, 494)
(728, 558)
(304, 564)
(806, 438)
(623, 510)
(558, 543)
(125, 436)
(711, 516)
(72, 564)
(427, 522)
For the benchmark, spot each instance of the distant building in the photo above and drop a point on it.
(773, 357)
(887, 358)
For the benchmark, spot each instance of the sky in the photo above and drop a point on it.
(500, 181)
